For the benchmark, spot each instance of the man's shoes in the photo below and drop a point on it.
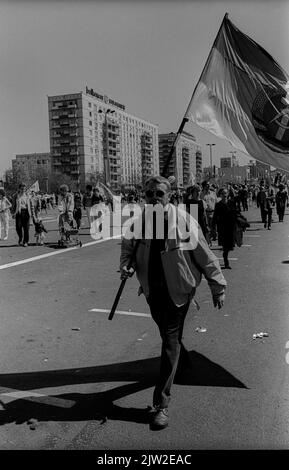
(5, 238)
(25, 244)
(269, 228)
(160, 419)
(265, 225)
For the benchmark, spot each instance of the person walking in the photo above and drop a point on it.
(36, 201)
(270, 202)
(193, 197)
(65, 207)
(5, 206)
(77, 212)
(281, 199)
(225, 216)
(210, 199)
(244, 197)
(87, 202)
(96, 197)
(169, 273)
(23, 212)
(261, 203)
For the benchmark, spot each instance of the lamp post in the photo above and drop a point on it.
(233, 152)
(106, 165)
(211, 160)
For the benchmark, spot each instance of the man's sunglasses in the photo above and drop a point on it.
(158, 193)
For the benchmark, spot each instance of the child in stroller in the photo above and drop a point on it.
(39, 231)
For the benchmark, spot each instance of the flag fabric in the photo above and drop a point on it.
(243, 97)
(34, 187)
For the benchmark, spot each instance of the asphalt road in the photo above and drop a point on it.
(71, 379)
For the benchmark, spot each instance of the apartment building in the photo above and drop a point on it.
(92, 136)
(186, 161)
(31, 166)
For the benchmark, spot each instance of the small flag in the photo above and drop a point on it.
(34, 187)
(243, 97)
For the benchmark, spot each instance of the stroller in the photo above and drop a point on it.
(67, 232)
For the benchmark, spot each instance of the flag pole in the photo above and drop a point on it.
(185, 118)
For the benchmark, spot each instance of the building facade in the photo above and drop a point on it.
(31, 167)
(186, 161)
(92, 137)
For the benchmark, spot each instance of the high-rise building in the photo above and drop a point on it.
(186, 161)
(92, 136)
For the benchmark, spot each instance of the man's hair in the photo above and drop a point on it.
(2, 191)
(63, 186)
(158, 180)
(205, 183)
(88, 186)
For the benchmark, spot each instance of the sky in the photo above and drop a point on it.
(145, 54)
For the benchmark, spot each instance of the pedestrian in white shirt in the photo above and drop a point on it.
(5, 205)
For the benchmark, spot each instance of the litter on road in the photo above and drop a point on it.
(201, 329)
(260, 335)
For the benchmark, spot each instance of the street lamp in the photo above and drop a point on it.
(211, 162)
(233, 152)
(106, 165)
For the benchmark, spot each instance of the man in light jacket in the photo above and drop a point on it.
(169, 267)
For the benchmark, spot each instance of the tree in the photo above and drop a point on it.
(55, 180)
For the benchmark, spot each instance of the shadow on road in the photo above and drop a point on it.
(195, 369)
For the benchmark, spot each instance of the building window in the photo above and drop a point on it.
(90, 123)
(89, 105)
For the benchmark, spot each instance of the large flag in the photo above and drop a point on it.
(243, 97)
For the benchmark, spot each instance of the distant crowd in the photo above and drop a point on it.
(219, 209)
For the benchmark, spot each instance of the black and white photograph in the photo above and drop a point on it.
(144, 228)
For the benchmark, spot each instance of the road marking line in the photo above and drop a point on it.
(120, 312)
(230, 259)
(246, 245)
(54, 253)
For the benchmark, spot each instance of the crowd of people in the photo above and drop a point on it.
(219, 208)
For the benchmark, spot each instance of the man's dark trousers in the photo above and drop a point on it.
(22, 226)
(170, 320)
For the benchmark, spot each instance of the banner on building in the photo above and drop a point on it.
(243, 97)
